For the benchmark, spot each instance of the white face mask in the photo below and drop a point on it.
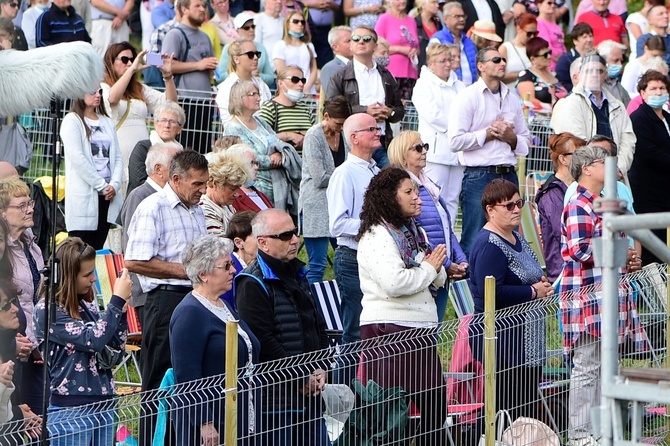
(294, 95)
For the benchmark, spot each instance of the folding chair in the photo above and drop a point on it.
(328, 301)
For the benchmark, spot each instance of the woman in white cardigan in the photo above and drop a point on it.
(399, 275)
(93, 170)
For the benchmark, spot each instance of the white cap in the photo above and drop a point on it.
(242, 18)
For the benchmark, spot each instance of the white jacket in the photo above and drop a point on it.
(432, 97)
(574, 114)
(82, 181)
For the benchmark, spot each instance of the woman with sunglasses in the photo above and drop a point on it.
(93, 170)
(515, 50)
(128, 100)
(288, 115)
(199, 322)
(550, 30)
(399, 272)
(550, 198)
(82, 404)
(500, 251)
(407, 151)
(537, 84)
(296, 49)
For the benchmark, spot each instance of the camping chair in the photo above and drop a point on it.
(328, 301)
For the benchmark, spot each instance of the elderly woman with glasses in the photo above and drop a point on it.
(408, 152)
(580, 311)
(16, 209)
(199, 322)
(288, 115)
(227, 172)
(500, 251)
(93, 170)
(169, 119)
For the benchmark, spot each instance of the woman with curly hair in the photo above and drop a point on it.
(399, 275)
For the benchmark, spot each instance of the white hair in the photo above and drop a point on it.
(654, 63)
(606, 46)
(161, 154)
(334, 34)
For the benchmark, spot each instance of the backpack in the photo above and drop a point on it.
(153, 76)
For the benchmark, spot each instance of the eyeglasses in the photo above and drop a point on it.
(496, 60)
(251, 54)
(284, 236)
(441, 61)
(512, 204)
(23, 207)
(368, 129)
(421, 147)
(531, 33)
(596, 161)
(551, 3)
(255, 163)
(546, 55)
(253, 94)
(8, 305)
(367, 38)
(226, 266)
(167, 121)
(296, 79)
(296, 21)
(13, 5)
(248, 27)
(125, 59)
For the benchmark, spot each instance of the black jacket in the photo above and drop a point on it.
(471, 12)
(423, 38)
(137, 169)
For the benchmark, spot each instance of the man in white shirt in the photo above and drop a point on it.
(108, 21)
(269, 24)
(488, 130)
(339, 39)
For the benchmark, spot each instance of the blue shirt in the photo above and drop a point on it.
(162, 14)
(445, 36)
(645, 37)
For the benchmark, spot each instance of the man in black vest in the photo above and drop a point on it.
(273, 297)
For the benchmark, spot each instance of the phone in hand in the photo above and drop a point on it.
(154, 59)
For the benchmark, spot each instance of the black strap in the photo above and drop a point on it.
(177, 77)
(34, 272)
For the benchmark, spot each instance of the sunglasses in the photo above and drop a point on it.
(366, 38)
(512, 204)
(420, 147)
(13, 5)
(226, 266)
(248, 27)
(368, 129)
(531, 33)
(8, 305)
(251, 54)
(546, 55)
(296, 21)
(496, 60)
(125, 59)
(284, 236)
(98, 91)
(296, 79)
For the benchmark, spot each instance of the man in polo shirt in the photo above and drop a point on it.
(59, 24)
(452, 34)
(160, 230)
(369, 88)
(339, 39)
(606, 26)
(658, 22)
(488, 131)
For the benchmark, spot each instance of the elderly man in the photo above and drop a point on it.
(369, 88)
(590, 111)
(613, 54)
(658, 22)
(339, 39)
(452, 33)
(488, 131)
(158, 172)
(159, 231)
(273, 297)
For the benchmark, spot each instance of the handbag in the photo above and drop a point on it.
(15, 147)
(523, 431)
(109, 357)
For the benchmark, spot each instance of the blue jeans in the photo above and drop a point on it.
(474, 181)
(381, 157)
(441, 301)
(317, 253)
(299, 427)
(89, 425)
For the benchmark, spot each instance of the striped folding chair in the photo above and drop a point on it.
(328, 301)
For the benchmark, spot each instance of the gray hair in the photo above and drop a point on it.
(654, 63)
(260, 225)
(334, 34)
(237, 93)
(585, 156)
(186, 160)
(242, 149)
(161, 154)
(202, 254)
(446, 9)
(606, 46)
(171, 107)
(575, 67)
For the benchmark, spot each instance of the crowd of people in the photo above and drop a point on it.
(210, 227)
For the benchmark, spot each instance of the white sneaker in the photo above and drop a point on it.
(585, 441)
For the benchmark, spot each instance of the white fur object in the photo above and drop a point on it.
(31, 79)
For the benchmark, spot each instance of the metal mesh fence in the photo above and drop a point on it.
(425, 385)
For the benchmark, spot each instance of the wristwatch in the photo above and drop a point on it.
(393, 113)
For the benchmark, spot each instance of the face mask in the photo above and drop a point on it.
(42, 7)
(614, 70)
(294, 95)
(382, 61)
(657, 101)
(250, 184)
(296, 35)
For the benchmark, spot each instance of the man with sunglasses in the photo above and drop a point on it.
(274, 298)
(452, 34)
(9, 9)
(60, 24)
(488, 130)
(369, 88)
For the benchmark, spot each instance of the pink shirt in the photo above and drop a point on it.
(399, 32)
(553, 34)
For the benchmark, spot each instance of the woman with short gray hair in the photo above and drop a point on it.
(251, 199)
(198, 345)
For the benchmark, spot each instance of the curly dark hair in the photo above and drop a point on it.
(380, 202)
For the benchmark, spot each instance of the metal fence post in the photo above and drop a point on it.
(231, 383)
(490, 358)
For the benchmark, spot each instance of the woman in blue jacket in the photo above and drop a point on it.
(408, 152)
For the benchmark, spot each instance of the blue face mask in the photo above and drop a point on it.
(296, 35)
(42, 7)
(614, 70)
(657, 101)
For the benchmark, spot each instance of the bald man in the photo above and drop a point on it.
(7, 170)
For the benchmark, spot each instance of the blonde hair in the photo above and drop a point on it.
(234, 51)
(240, 88)
(12, 187)
(436, 49)
(383, 41)
(287, 23)
(228, 168)
(400, 145)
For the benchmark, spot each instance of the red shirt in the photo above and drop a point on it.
(605, 26)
